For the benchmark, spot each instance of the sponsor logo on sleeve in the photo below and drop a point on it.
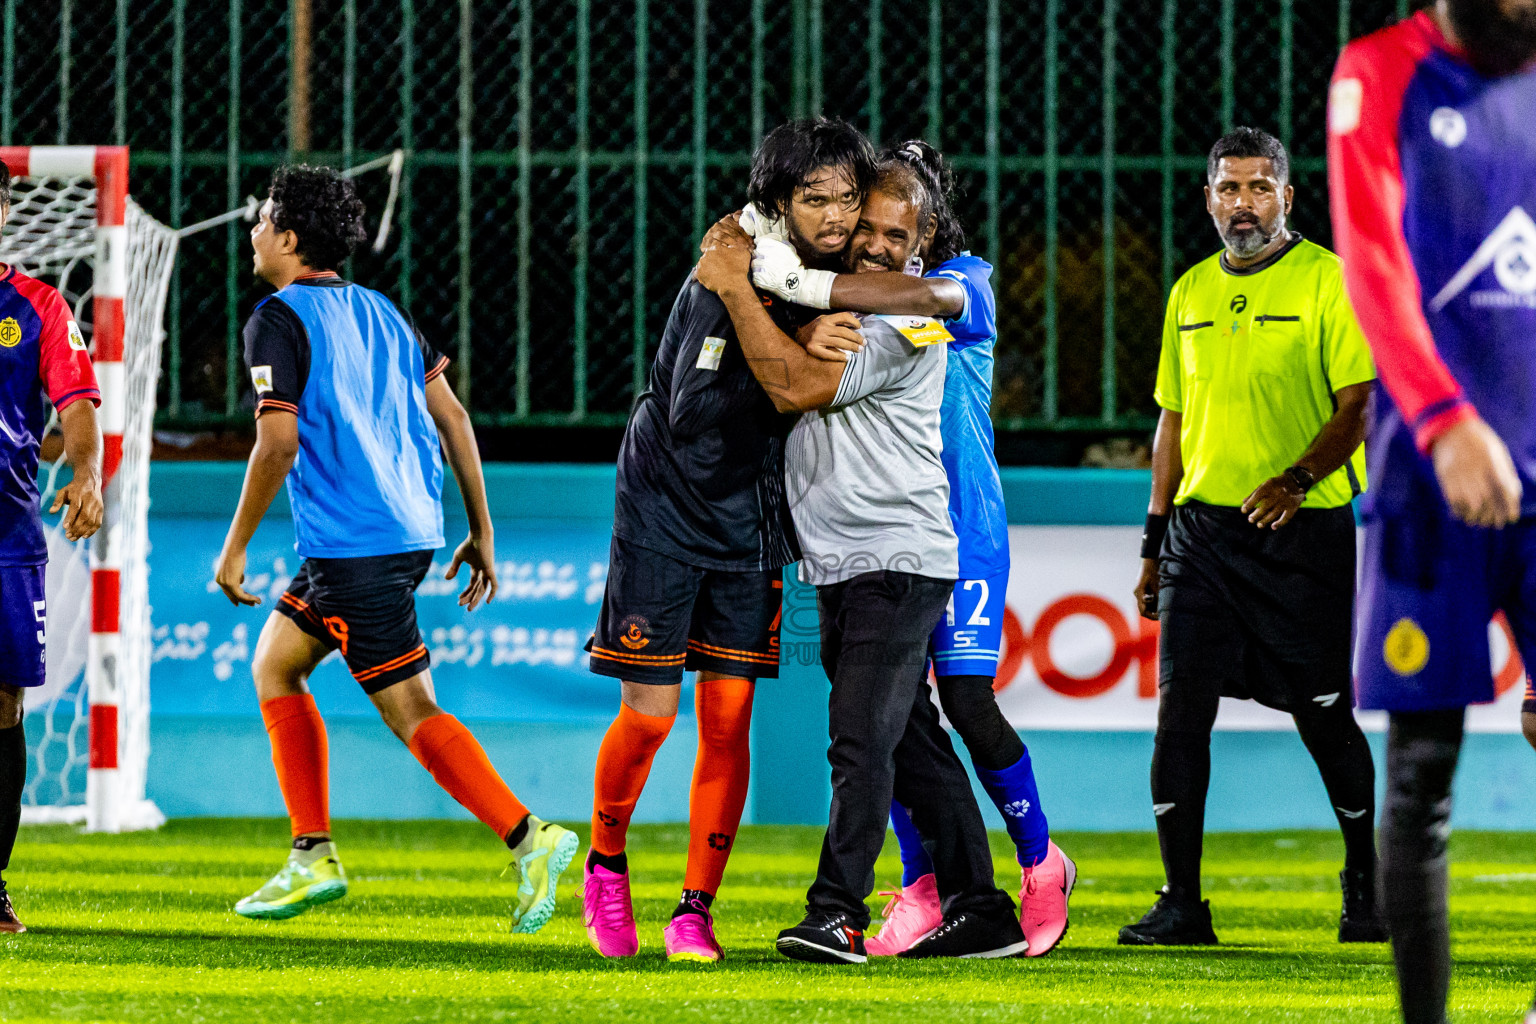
(1344, 101)
(76, 338)
(709, 355)
(261, 379)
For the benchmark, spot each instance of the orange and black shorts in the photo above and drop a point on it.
(366, 608)
(661, 617)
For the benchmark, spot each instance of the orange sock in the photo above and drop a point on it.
(623, 765)
(720, 775)
(299, 754)
(456, 760)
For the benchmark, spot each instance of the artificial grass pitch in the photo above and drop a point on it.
(140, 928)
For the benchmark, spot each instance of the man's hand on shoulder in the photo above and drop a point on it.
(1477, 475)
(832, 337)
(727, 264)
(777, 268)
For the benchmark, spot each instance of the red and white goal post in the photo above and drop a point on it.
(73, 224)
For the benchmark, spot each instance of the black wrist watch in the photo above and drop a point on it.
(1301, 478)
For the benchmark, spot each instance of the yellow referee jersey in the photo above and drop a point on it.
(1251, 358)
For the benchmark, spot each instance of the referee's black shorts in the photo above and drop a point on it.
(1266, 614)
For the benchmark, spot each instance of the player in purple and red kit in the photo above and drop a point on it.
(1433, 178)
(42, 354)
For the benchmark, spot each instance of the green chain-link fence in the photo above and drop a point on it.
(564, 156)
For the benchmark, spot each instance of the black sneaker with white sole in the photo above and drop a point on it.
(823, 938)
(1172, 922)
(972, 935)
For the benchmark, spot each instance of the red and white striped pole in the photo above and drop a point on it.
(108, 165)
(103, 799)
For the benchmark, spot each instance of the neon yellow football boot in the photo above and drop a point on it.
(311, 877)
(545, 852)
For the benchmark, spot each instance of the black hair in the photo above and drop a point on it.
(1498, 42)
(1249, 142)
(322, 208)
(936, 175)
(791, 153)
(5, 185)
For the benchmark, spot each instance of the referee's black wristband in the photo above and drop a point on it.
(1152, 535)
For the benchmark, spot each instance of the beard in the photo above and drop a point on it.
(1247, 238)
(1497, 42)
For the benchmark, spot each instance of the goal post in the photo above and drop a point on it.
(73, 224)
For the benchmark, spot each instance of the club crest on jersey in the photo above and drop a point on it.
(633, 630)
(1406, 650)
(10, 332)
(76, 338)
(1511, 251)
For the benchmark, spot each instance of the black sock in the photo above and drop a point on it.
(618, 863)
(1422, 750)
(1343, 758)
(13, 779)
(518, 834)
(1181, 774)
(971, 707)
(309, 842)
(686, 904)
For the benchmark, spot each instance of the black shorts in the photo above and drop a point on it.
(1267, 614)
(661, 617)
(367, 608)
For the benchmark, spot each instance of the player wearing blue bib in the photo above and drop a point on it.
(966, 643)
(352, 409)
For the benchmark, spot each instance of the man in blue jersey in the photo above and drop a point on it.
(967, 639)
(354, 412)
(42, 354)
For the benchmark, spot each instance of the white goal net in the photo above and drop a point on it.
(54, 232)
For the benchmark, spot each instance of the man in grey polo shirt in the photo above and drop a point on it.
(870, 502)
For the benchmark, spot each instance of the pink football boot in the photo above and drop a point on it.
(608, 912)
(1043, 900)
(691, 938)
(912, 914)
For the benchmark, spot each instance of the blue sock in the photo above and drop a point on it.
(915, 862)
(1013, 790)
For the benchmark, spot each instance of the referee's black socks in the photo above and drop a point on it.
(1422, 750)
(13, 779)
(1343, 759)
(1181, 775)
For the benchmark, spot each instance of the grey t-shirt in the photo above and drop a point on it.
(866, 487)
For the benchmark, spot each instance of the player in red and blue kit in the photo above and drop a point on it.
(967, 641)
(1432, 171)
(43, 358)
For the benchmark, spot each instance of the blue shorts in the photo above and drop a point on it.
(23, 591)
(1430, 587)
(968, 638)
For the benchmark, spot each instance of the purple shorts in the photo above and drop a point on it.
(1430, 588)
(23, 610)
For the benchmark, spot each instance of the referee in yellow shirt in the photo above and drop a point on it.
(1249, 552)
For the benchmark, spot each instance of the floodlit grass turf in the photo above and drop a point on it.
(140, 928)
